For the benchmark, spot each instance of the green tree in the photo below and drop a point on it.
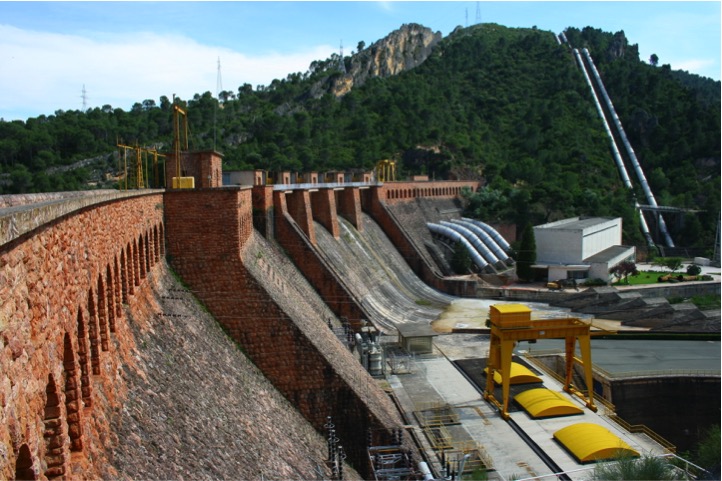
(707, 454)
(671, 263)
(623, 270)
(526, 255)
(461, 259)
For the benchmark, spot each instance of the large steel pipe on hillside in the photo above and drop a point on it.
(476, 242)
(630, 151)
(486, 239)
(613, 144)
(615, 151)
(455, 236)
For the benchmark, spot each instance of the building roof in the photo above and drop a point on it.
(609, 254)
(592, 442)
(544, 403)
(575, 223)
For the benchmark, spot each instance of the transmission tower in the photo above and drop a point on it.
(219, 82)
(341, 63)
(84, 96)
(219, 89)
(466, 18)
(478, 13)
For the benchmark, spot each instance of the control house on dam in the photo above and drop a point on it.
(286, 328)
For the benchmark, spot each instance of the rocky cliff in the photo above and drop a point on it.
(401, 50)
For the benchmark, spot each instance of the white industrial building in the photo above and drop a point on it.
(581, 248)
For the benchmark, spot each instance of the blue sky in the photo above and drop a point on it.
(126, 52)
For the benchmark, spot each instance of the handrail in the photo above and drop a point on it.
(641, 428)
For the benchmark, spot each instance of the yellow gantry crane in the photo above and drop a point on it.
(135, 173)
(511, 323)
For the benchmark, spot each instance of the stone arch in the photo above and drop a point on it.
(156, 240)
(24, 465)
(53, 435)
(72, 395)
(110, 298)
(161, 240)
(93, 333)
(136, 263)
(148, 252)
(83, 361)
(123, 277)
(102, 313)
(117, 291)
(141, 258)
(129, 269)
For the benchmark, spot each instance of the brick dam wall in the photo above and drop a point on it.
(63, 285)
(214, 249)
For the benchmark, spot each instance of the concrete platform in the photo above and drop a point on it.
(436, 380)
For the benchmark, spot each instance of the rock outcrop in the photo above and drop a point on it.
(401, 50)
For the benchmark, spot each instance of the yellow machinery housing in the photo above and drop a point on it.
(591, 442)
(511, 323)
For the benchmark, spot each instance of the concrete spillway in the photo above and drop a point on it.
(377, 275)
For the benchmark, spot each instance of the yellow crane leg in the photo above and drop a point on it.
(585, 346)
(507, 346)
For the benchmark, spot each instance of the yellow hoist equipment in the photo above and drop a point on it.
(180, 125)
(136, 175)
(386, 171)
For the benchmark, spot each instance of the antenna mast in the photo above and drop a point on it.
(478, 12)
(84, 96)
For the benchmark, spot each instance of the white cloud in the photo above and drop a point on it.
(694, 65)
(44, 72)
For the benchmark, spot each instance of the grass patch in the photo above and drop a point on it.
(644, 277)
(706, 301)
(649, 277)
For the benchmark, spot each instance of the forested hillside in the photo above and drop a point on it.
(508, 106)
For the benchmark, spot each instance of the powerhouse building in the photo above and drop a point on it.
(581, 248)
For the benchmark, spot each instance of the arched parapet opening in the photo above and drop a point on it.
(110, 298)
(24, 465)
(54, 436)
(83, 361)
(156, 244)
(93, 334)
(148, 247)
(102, 314)
(141, 259)
(129, 271)
(72, 395)
(161, 240)
(118, 289)
(136, 263)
